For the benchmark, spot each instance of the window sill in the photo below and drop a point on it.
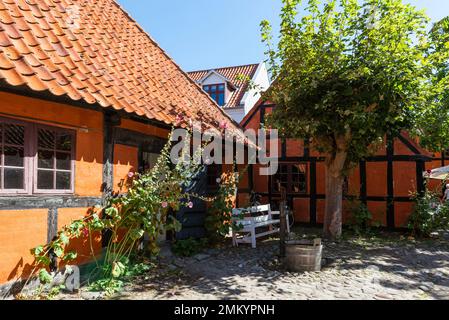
(22, 202)
(36, 195)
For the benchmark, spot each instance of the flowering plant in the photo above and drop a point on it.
(144, 209)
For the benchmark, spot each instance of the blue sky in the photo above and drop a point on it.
(201, 34)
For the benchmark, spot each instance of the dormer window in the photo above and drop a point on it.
(216, 92)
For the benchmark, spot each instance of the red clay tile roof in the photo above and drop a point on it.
(101, 57)
(232, 74)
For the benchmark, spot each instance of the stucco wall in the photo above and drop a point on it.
(24, 228)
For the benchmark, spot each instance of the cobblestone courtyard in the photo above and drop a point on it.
(380, 268)
(354, 269)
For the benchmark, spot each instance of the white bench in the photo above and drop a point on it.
(248, 225)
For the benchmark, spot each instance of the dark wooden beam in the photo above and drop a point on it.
(363, 182)
(313, 193)
(109, 121)
(48, 201)
(52, 224)
(390, 183)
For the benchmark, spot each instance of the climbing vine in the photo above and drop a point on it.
(219, 216)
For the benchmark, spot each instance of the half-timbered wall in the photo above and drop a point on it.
(383, 181)
(108, 146)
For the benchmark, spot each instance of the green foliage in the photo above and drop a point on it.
(123, 272)
(145, 209)
(347, 73)
(189, 247)
(433, 124)
(429, 215)
(218, 221)
(107, 285)
(361, 218)
(45, 277)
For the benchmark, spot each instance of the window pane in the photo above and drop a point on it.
(297, 168)
(221, 99)
(63, 161)
(14, 156)
(14, 178)
(64, 142)
(206, 88)
(46, 139)
(45, 180)
(221, 87)
(63, 180)
(14, 134)
(45, 160)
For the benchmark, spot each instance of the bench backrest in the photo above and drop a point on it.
(265, 209)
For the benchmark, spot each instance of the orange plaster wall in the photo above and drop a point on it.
(378, 211)
(320, 178)
(401, 149)
(260, 181)
(20, 230)
(404, 178)
(144, 128)
(301, 210)
(376, 182)
(82, 245)
(125, 161)
(402, 211)
(354, 182)
(243, 200)
(320, 209)
(89, 145)
(89, 163)
(244, 177)
(295, 148)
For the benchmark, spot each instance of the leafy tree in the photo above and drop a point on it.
(433, 125)
(347, 74)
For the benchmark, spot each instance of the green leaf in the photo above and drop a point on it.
(136, 234)
(58, 251)
(118, 269)
(64, 238)
(70, 256)
(45, 277)
(44, 260)
(37, 251)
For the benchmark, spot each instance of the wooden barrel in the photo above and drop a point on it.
(303, 255)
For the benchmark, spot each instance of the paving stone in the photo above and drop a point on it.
(201, 256)
(379, 271)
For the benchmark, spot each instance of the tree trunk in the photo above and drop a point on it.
(334, 195)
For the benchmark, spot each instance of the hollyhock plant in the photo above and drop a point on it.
(223, 125)
(179, 119)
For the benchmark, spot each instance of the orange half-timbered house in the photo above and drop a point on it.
(384, 181)
(86, 96)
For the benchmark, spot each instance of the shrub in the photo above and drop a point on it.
(429, 215)
(361, 218)
(188, 247)
(144, 209)
(218, 221)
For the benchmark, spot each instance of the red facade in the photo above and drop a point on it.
(384, 181)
